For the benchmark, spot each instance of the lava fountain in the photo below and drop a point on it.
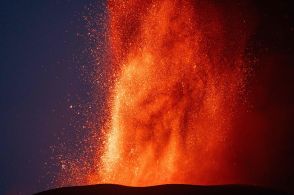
(180, 70)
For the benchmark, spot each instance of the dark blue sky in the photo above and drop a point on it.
(41, 58)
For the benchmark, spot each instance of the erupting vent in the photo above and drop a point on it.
(181, 71)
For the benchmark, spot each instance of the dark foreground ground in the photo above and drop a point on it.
(109, 189)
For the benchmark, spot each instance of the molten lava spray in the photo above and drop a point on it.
(180, 71)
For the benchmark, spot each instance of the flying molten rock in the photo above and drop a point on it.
(180, 72)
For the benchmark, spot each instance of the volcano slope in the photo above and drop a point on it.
(110, 189)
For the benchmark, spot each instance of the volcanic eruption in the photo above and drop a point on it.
(181, 70)
(198, 94)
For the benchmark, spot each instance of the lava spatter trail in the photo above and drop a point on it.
(181, 69)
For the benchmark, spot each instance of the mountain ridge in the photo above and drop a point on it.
(113, 189)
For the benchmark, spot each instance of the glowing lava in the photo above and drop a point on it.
(180, 67)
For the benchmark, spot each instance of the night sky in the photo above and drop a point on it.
(44, 51)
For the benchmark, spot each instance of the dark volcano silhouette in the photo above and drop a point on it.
(110, 189)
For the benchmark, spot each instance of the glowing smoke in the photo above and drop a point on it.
(181, 69)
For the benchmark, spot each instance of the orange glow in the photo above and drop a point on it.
(180, 71)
